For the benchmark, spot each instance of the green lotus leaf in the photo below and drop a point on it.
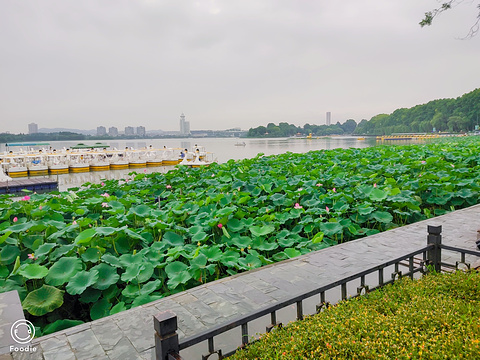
(63, 270)
(200, 236)
(5, 236)
(150, 287)
(8, 254)
(131, 291)
(107, 275)
(318, 237)
(146, 272)
(291, 253)
(261, 230)
(33, 271)
(44, 249)
(141, 210)
(44, 300)
(111, 260)
(85, 236)
(91, 255)
(81, 281)
(105, 230)
(90, 295)
(213, 253)
(382, 216)
(118, 308)
(145, 299)
(331, 228)
(173, 239)
(378, 195)
(4, 271)
(21, 227)
(177, 273)
(250, 262)
(131, 272)
(242, 242)
(100, 309)
(60, 325)
(235, 225)
(199, 261)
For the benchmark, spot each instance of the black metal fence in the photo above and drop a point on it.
(428, 258)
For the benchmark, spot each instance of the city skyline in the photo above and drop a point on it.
(131, 63)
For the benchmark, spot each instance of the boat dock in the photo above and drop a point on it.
(38, 185)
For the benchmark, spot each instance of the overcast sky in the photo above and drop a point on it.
(244, 63)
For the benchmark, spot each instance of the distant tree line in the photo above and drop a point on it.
(447, 115)
(284, 129)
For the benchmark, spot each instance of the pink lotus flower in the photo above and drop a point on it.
(40, 207)
(145, 171)
(318, 184)
(375, 185)
(25, 198)
(298, 206)
(326, 208)
(334, 190)
(103, 184)
(452, 165)
(15, 219)
(169, 186)
(106, 195)
(31, 256)
(74, 222)
(424, 162)
(220, 226)
(104, 204)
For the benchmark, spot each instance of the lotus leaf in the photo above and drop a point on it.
(145, 299)
(107, 276)
(261, 230)
(177, 273)
(91, 255)
(44, 300)
(81, 281)
(382, 216)
(85, 236)
(118, 308)
(60, 325)
(100, 309)
(173, 239)
(63, 270)
(8, 254)
(331, 228)
(33, 271)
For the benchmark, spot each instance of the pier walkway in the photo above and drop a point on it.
(129, 335)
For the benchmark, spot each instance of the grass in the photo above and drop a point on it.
(436, 317)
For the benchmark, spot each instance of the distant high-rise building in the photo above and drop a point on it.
(32, 128)
(329, 118)
(141, 130)
(101, 131)
(184, 126)
(113, 131)
(129, 130)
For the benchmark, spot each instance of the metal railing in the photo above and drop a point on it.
(168, 346)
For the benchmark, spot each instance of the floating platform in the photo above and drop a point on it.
(38, 185)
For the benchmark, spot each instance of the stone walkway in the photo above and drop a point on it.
(130, 335)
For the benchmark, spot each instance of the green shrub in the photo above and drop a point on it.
(436, 317)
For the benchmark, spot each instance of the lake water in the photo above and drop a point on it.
(223, 149)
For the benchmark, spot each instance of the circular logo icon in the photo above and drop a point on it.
(22, 331)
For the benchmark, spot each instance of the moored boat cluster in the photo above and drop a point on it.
(94, 158)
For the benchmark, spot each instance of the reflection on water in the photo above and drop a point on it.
(224, 149)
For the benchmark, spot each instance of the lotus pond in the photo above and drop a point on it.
(92, 251)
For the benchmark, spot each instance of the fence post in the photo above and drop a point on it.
(435, 255)
(166, 337)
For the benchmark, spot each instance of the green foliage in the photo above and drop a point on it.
(453, 115)
(435, 317)
(218, 221)
(287, 130)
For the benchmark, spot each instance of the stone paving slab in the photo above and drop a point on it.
(130, 334)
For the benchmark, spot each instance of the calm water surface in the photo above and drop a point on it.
(223, 149)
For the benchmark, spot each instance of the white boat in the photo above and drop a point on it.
(36, 164)
(118, 160)
(14, 165)
(170, 157)
(98, 161)
(3, 176)
(57, 163)
(77, 163)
